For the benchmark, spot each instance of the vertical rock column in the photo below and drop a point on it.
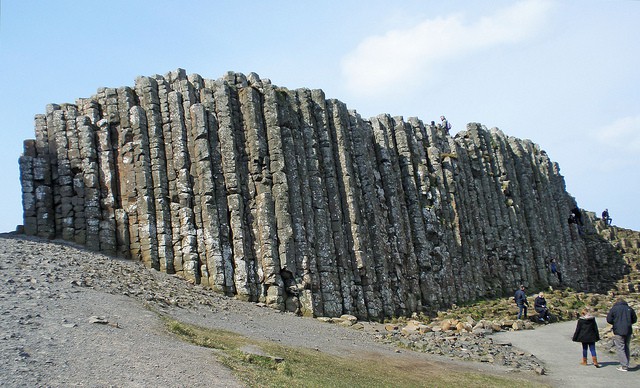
(414, 270)
(61, 172)
(222, 278)
(109, 202)
(341, 275)
(355, 251)
(323, 259)
(228, 146)
(147, 92)
(213, 266)
(145, 206)
(392, 194)
(279, 143)
(372, 271)
(89, 181)
(28, 185)
(263, 210)
(184, 190)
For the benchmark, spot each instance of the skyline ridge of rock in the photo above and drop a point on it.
(288, 198)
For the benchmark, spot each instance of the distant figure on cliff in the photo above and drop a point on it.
(521, 302)
(445, 123)
(622, 317)
(578, 214)
(605, 217)
(553, 266)
(540, 305)
(577, 219)
(587, 333)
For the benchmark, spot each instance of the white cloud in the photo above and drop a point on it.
(622, 135)
(379, 63)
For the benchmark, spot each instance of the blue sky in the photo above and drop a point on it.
(561, 73)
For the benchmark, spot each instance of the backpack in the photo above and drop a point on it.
(448, 125)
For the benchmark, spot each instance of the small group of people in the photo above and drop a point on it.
(621, 317)
(444, 124)
(575, 217)
(539, 305)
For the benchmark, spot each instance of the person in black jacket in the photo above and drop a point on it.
(521, 300)
(622, 317)
(540, 305)
(587, 333)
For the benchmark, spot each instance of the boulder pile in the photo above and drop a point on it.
(467, 339)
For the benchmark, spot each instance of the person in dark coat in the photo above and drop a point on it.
(540, 305)
(587, 333)
(622, 317)
(521, 301)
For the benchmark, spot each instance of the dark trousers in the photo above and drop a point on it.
(543, 314)
(522, 308)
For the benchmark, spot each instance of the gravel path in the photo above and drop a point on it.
(553, 345)
(69, 317)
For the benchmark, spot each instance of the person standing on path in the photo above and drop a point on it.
(587, 333)
(622, 317)
(521, 301)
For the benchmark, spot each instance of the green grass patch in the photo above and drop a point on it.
(268, 364)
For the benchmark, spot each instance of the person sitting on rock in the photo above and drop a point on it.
(540, 305)
(521, 301)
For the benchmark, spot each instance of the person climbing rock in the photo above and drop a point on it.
(578, 215)
(553, 266)
(605, 217)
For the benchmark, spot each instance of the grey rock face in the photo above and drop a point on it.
(287, 198)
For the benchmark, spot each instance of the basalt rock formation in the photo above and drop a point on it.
(289, 198)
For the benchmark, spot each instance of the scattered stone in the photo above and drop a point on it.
(94, 319)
